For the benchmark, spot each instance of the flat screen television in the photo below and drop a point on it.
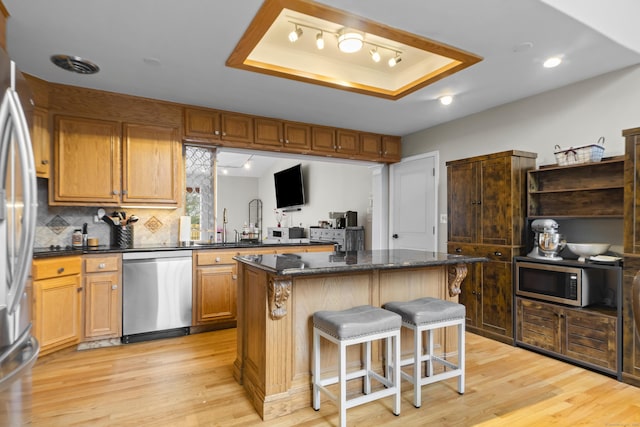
(289, 188)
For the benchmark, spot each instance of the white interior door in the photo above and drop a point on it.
(413, 203)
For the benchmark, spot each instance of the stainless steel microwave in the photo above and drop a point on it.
(575, 286)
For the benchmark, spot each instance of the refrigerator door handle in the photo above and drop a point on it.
(27, 360)
(14, 123)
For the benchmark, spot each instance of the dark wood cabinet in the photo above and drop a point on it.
(583, 336)
(486, 215)
(632, 191)
(631, 320)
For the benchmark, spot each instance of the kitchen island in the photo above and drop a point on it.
(278, 294)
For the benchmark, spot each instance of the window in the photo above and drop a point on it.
(200, 194)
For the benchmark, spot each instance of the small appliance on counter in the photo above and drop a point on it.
(547, 242)
(285, 235)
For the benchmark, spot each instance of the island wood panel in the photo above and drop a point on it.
(274, 354)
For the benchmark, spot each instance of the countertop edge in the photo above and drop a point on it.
(452, 260)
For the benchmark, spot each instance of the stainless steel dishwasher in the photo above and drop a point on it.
(156, 294)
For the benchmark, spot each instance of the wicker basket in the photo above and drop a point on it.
(585, 154)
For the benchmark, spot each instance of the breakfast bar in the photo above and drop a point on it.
(278, 294)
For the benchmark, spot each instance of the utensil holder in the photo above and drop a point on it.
(122, 236)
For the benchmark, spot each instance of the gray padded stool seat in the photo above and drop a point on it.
(426, 315)
(357, 325)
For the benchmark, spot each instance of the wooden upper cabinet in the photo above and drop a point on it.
(268, 132)
(93, 167)
(297, 137)
(87, 162)
(487, 198)
(213, 125)
(41, 142)
(371, 145)
(152, 165)
(391, 148)
(631, 197)
(323, 139)
(201, 124)
(236, 128)
(348, 142)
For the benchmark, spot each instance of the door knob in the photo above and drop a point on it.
(395, 236)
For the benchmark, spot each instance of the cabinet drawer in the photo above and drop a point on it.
(55, 267)
(494, 253)
(101, 264)
(215, 257)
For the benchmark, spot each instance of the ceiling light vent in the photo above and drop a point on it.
(75, 64)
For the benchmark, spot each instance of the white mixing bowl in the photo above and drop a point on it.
(588, 249)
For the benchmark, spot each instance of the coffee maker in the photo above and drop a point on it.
(547, 242)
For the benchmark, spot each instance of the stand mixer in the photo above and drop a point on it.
(547, 242)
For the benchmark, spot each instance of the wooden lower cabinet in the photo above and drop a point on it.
(487, 291)
(102, 296)
(57, 302)
(631, 320)
(216, 280)
(587, 337)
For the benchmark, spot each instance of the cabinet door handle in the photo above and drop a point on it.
(234, 277)
(216, 132)
(497, 253)
(61, 270)
(459, 250)
(224, 134)
(114, 287)
(115, 192)
(286, 141)
(217, 259)
(395, 236)
(79, 289)
(45, 162)
(102, 265)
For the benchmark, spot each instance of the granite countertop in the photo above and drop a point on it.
(51, 251)
(335, 262)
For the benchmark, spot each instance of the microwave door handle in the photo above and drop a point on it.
(14, 123)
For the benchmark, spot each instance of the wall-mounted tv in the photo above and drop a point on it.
(289, 188)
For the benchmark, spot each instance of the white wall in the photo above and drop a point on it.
(336, 187)
(575, 115)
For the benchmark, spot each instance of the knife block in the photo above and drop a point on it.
(122, 236)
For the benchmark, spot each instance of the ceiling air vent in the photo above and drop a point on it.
(75, 64)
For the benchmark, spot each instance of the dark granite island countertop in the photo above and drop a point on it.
(278, 294)
(295, 264)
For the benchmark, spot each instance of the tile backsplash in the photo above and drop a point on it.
(56, 223)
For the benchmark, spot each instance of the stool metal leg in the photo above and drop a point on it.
(430, 352)
(461, 357)
(367, 367)
(396, 372)
(417, 364)
(315, 374)
(342, 379)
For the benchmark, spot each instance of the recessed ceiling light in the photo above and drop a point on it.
(554, 61)
(446, 99)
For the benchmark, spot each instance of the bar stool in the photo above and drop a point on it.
(426, 315)
(357, 325)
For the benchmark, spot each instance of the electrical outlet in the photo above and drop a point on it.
(443, 218)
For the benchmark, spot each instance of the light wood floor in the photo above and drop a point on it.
(188, 382)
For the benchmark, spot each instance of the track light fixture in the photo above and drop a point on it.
(394, 60)
(295, 34)
(320, 40)
(375, 55)
(349, 41)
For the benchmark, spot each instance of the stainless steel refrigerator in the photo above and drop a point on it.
(18, 210)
